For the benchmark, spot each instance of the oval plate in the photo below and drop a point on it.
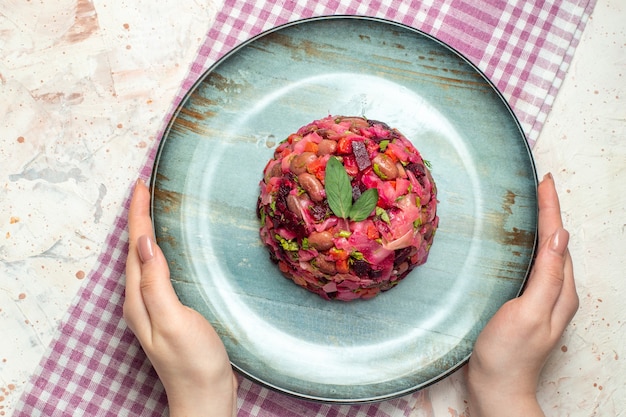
(205, 189)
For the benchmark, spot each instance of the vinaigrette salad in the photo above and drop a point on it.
(348, 207)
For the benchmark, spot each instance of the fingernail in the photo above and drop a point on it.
(140, 182)
(548, 176)
(559, 242)
(145, 248)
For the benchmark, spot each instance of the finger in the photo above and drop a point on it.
(548, 274)
(135, 312)
(549, 209)
(139, 222)
(567, 304)
(156, 288)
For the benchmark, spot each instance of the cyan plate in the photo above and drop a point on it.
(206, 186)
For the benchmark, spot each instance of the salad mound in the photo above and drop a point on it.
(348, 207)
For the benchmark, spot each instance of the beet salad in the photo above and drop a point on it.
(348, 207)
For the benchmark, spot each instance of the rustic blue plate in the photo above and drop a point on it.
(205, 188)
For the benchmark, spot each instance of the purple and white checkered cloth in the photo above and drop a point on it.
(95, 367)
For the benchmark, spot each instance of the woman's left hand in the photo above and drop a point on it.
(183, 347)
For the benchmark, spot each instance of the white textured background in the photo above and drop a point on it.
(83, 90)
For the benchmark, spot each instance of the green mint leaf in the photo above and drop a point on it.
(338, 188)
(427, 163)
(364, 205)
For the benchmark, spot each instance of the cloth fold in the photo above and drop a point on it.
(94, 365)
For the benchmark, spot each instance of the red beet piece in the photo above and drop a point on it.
(360, 153)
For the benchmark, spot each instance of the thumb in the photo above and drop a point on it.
(156, 288)
(546, 280)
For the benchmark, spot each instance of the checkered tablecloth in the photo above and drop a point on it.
(95, 367)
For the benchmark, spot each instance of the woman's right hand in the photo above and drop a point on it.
(511, 350)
